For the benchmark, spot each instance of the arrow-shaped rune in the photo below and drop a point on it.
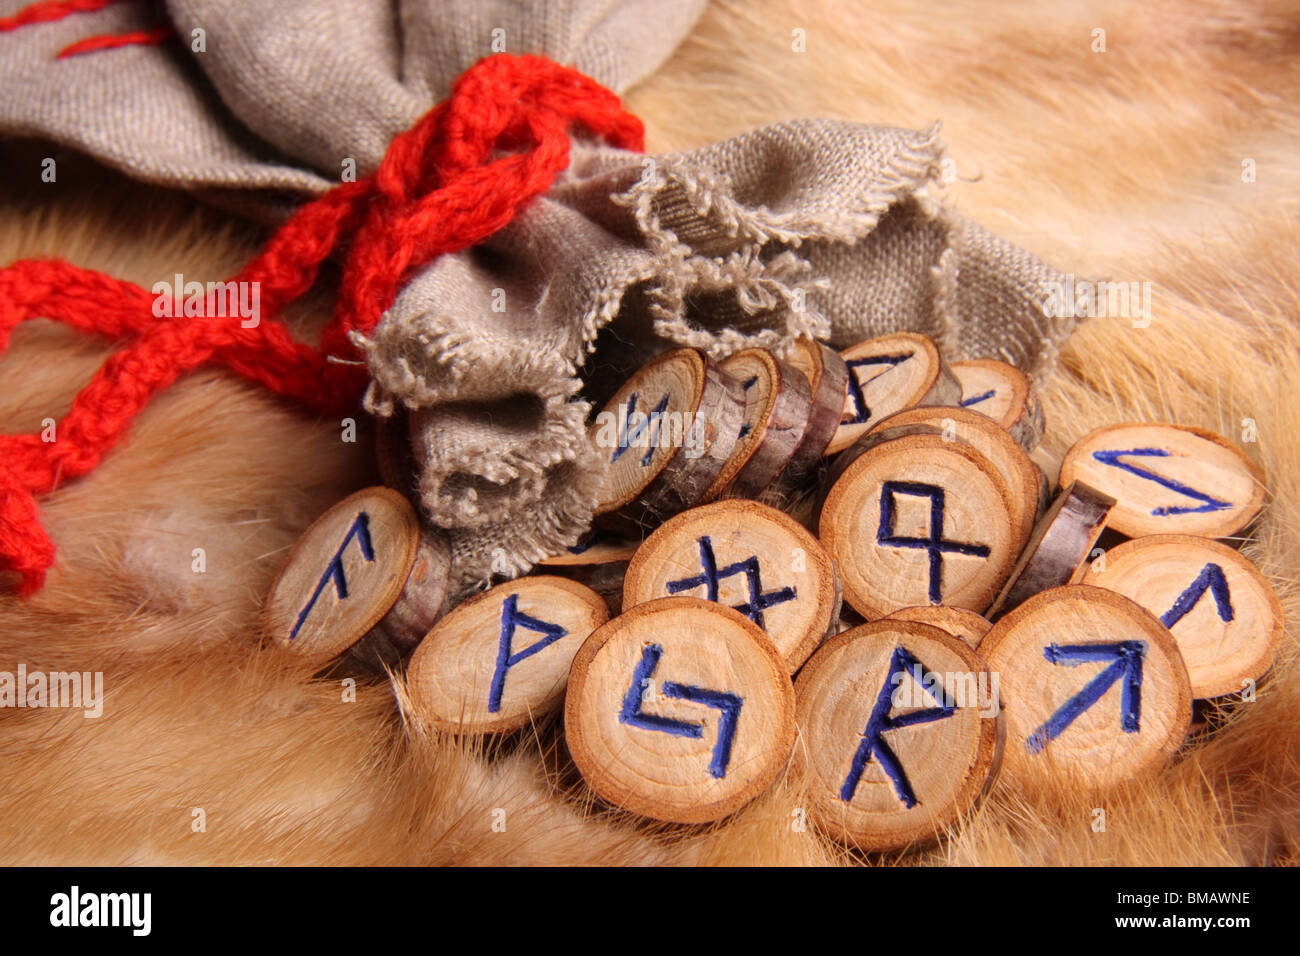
(1210, 579)
(1125, 661)
(727, 704)
(1208, 503)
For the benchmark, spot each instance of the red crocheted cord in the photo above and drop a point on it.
(112, 41)
(47, 11)
(459, 175)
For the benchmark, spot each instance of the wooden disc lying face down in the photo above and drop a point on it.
(1093, 688)
(919, 520)
(344, 574)
(966, 626)
(680, 710)
(749, 557)
(1223, 614)
(888, 374)
(500, 660)
(596, 547)
(1004, 394)
(1168, 479)
(424, 596)
(777, 404)
(900, 732)
(1058, 548)
(666, 436)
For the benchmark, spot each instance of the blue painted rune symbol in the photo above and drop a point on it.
(711, 575)
(1125, 661)
(976, 399)
(727, 705)
(1208, 502)
(873, 745)
(936, 546)
(857, 395)
(512, 618)
(1210, 579)
(360, 529)
(626, 438)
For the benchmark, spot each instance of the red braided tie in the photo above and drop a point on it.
(47, 11)
(439, 189)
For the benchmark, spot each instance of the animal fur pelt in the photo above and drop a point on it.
(1131, 162)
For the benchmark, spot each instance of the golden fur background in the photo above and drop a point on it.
(1126, 163)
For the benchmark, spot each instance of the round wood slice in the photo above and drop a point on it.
(1059, 547)
(596, 547)
(900, 735)
(1003, 393)
(499, 661)
(957, 621)
(887, 375)
(1168, 479)
(749, 557)
(828, 383)
(1016, 468)
(666, 435)
(1223, 614)
(919, 520)
(680, 710)
(1094, 689)
(424, 597)
(343, 575)
(777, 405)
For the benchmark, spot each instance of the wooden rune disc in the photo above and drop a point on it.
(680, 710)
(1059, 547)
(1168, 479)
(424, 596)
(888, 374)
(749, 557)
(919, 520)
(828, 383)
(1015, 467)
(666, 436)
(1222, 612)
(343, 575)
(1093, 688)
(965, 625)
(499, 661)
(777, 404)
(900, 733)
(596, 547)
(1005, 394)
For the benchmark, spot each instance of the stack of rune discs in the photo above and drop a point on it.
(697, 633)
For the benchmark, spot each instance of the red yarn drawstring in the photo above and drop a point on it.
(112, 41)
(441, 187)
(47, 11)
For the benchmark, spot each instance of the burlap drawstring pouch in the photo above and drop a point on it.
(496, 354)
